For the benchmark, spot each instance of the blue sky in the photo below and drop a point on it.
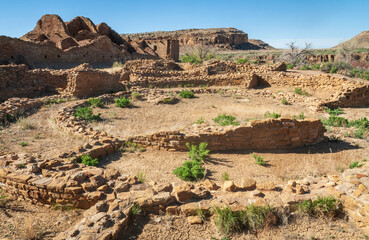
(324, 23)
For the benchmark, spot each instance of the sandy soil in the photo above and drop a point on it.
(21, 220)
(41, 134)
(295, 164)
(170, 228)
(147, 118)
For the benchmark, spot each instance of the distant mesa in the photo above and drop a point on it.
(221, 38)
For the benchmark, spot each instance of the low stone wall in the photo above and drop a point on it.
(259, 134)
(351, 97)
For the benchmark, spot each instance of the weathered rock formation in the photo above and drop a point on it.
(222, 38)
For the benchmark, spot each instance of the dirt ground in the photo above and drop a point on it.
(41, 134)
(147, 118)
(304, 228)
(22, 220)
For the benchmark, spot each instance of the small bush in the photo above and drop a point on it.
(358, 73)
(168, 101)
(89, 161)
(334, 112)
(284, 101)
(243, 60)
(122, 102)
(259, 160)
(226, 220)
(190, 59)
(315, 67)
(26, 124)
(300, 92)
(302, 116)
(131, 147)
(85, 113)
(136, 210)
(226, 120)
(366, 75)
(190, 171)
(199, 153)
(321, 206)
(95, 102)
(200, 121)
(305, 67)
(225, 176)
(335, 121)
(356, 164)
(23, 144)
(117, 65)
(290, 66)
(251, 219)
(135, 95)
(186, 94)
(272, 115)
(141, 177)
(334, 69)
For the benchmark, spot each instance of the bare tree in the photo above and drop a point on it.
(295, 55)
(200, 50)
(345, 51)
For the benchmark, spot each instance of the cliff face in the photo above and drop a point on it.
(228, 38)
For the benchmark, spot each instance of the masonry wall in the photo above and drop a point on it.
(260, 134)
(351, 97)
(19, 81)
(99, 51)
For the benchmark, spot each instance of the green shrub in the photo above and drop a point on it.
(117, 64)
(190, 171)
(141, 177)
(135, 95)
(95, 102)
(199, 153)
(168, 101)
(305, 67)
(315, 67)
(335, 121)
(243, 60)
(136, 210)
(259, 160)
(290, 66)
(251, 219)
(302, 116)
(366, 75)
(334, 69)
(200, 121)
(284, 101)
(190, 59)
(226, 120)
(23, 144)
(321, 206)
(85, 113)
(356, 164)
(225, 176)
(131, 147)
(300, 92)
(358, 73)
(89, 161)
(272, 115)
(186, 94)
(122, 102)
(334, 112)
(226, 220)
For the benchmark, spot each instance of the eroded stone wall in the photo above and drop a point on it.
(259, 134)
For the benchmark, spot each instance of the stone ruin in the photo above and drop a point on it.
(109, 194)
(57, 44)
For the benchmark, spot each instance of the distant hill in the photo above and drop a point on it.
(221, 38)
(359, 41)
